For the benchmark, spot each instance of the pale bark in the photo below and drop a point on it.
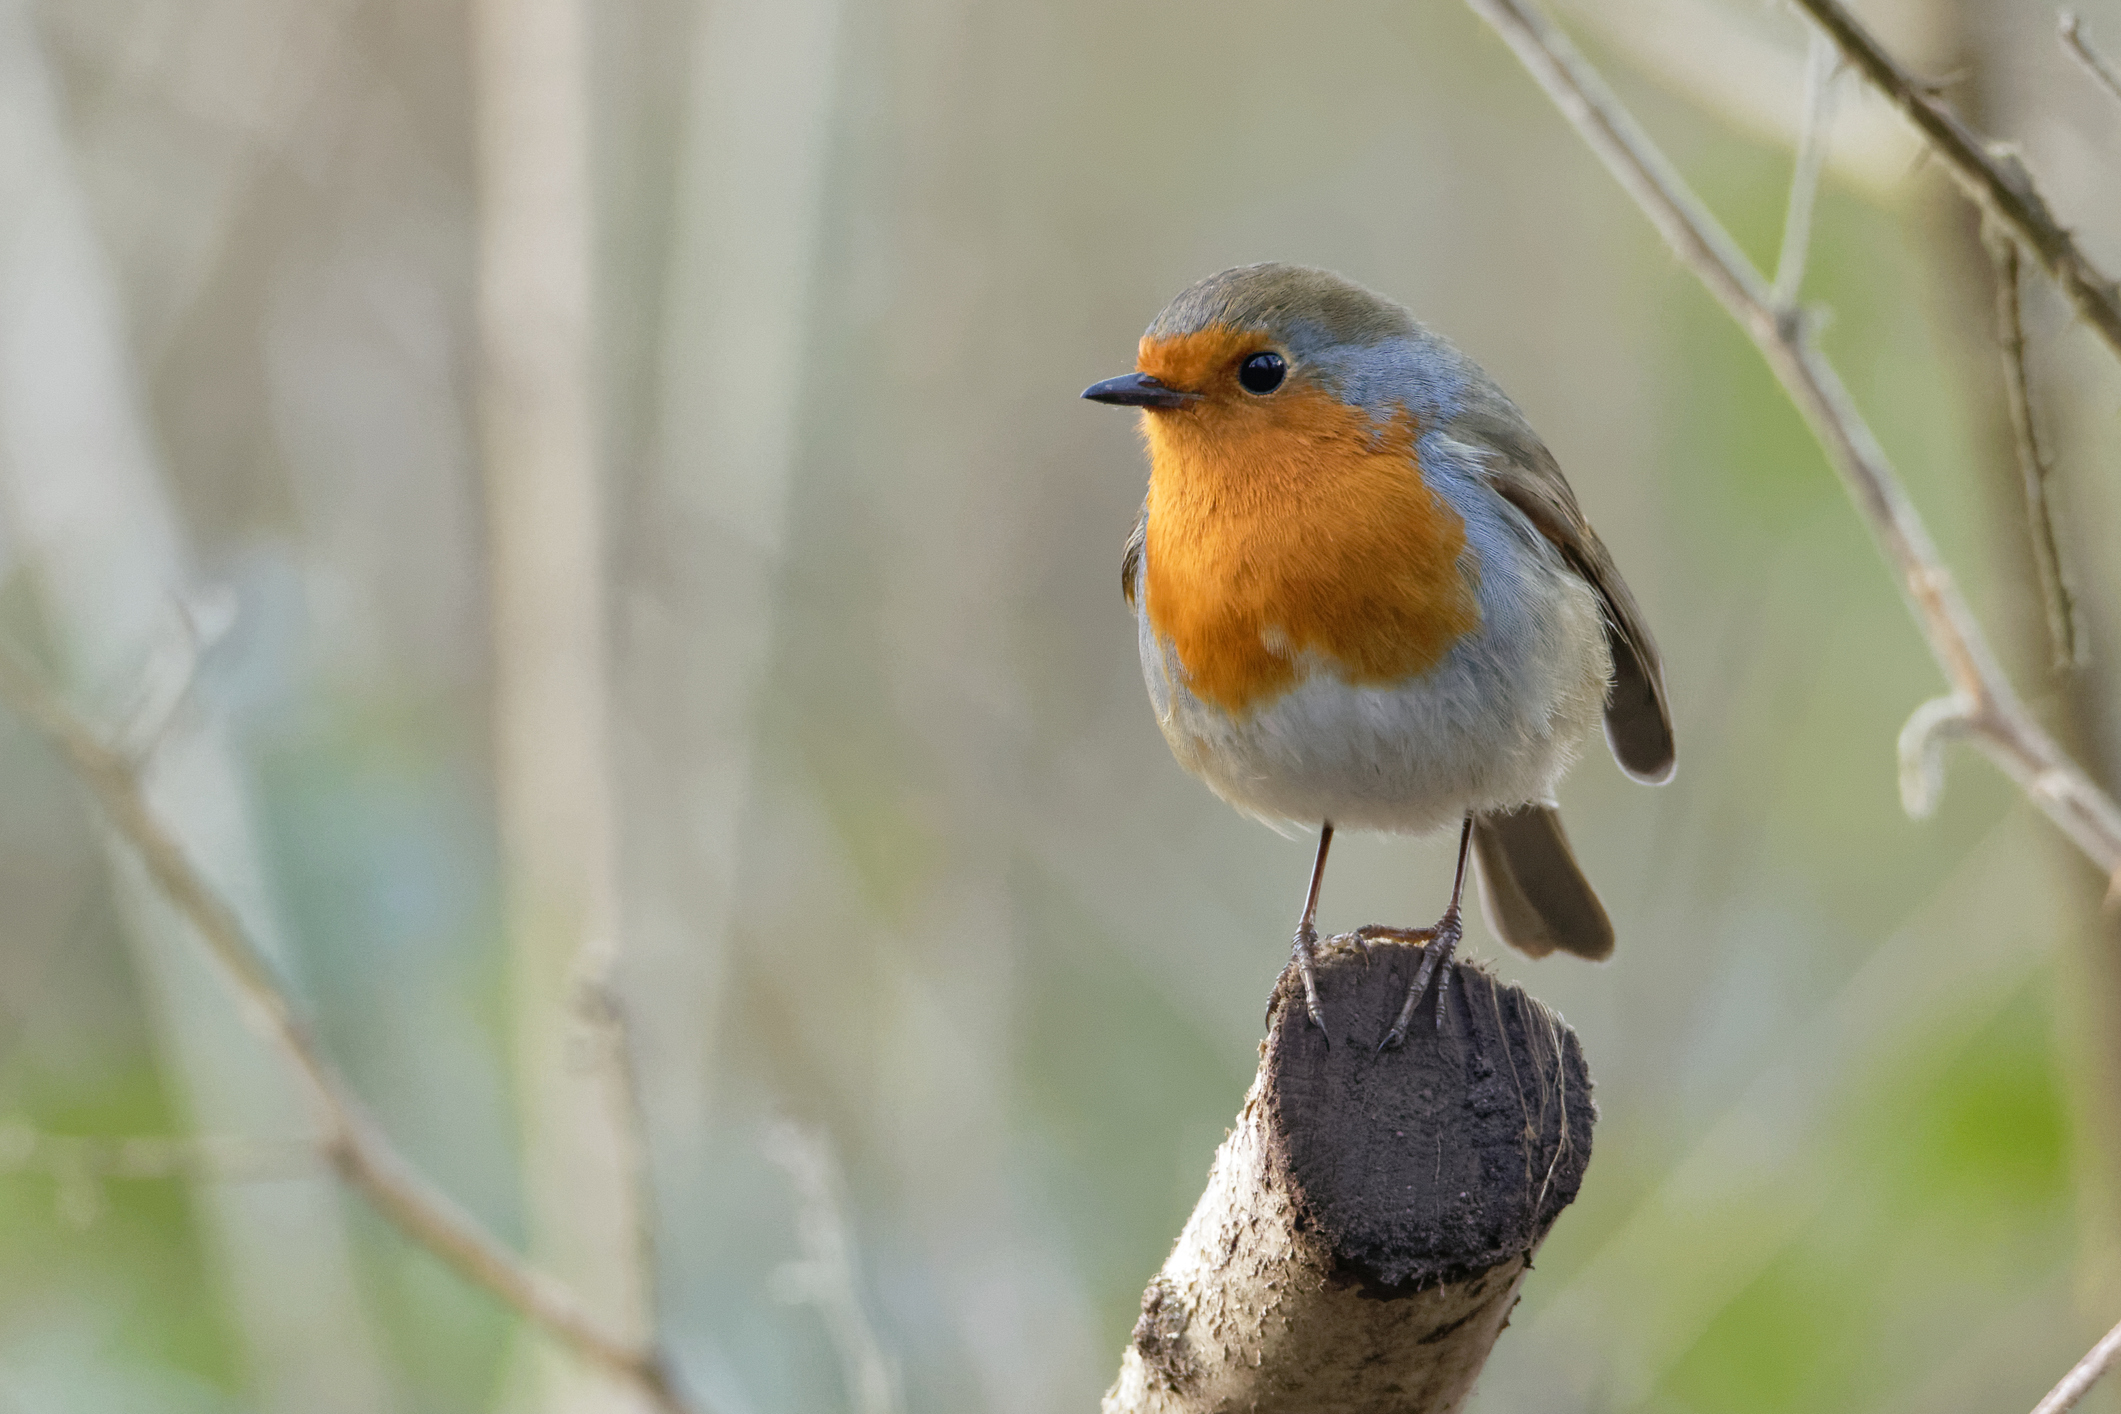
(552, 774)
(1368, 1223)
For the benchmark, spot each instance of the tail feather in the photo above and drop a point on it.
(1534, 895)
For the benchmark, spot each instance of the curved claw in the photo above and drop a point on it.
(1302, 955)
(1435, 962)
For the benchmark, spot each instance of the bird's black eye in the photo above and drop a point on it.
(1263, 372)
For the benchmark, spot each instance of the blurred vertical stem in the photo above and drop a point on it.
(706, 529)
(1967, 298)
(85, 496)
(538, 421)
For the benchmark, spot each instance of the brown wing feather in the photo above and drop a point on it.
(1638, 719)
(1130, 568)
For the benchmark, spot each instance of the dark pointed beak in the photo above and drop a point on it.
(1138, 390)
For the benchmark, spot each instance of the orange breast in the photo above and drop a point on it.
(1294, 525)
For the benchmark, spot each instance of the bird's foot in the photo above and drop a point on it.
(1303, 957)
(1440, 943)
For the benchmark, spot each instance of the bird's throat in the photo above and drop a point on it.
(1298, 534)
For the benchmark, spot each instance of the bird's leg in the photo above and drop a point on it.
(1436, 956)
(1307, 933)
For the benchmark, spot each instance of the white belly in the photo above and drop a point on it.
(1491, 727)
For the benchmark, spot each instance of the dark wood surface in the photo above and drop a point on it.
(1369, 1221)
(1446, 1156)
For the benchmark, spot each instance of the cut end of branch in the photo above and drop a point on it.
(1444, 1158)
(1367, 1224)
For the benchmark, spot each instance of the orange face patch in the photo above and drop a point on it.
(1291, 524)
(1194, 362)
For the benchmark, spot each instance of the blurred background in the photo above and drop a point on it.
(816, 710)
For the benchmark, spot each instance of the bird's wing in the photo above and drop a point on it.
(1130, 568)
(1638, 720)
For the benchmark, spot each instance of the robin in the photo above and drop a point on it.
(1366, 599)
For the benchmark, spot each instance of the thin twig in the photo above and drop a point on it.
(1994, 179)
(1730, 62)
(225, 1158)
(352, 1142)
(2093, 61)
(2064, 640)
(80, 1164)
(602, 1013)
(826, 1277)
(167, 680)
(2082, 1375)
(1922, 740)
(1822, 67)
(1994, 718)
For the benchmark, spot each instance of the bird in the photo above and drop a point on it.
(1366, 598)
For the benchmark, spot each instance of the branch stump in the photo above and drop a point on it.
(1368, 1222)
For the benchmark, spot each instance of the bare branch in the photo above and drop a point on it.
(826, 1277)
(1995, 718)
(1922, 742)
(79, 1164)
(356, 1147)
(2065, 640)
(172, 672)
(1821, 70)
(25, 1149)
(1995, 180)
(1729, 61)
(2093, 61)
(2083, 1375)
